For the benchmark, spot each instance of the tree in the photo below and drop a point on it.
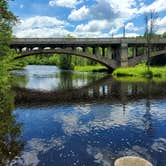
(11, 143)
(164, 35)
(150, 23)
(7, 21)
(65, 61)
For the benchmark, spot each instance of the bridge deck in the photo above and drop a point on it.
(84, 41)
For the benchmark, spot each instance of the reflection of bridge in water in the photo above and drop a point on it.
(104, 90)
(111, 52)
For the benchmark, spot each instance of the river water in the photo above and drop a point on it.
(87, 119)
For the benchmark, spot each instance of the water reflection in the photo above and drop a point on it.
(90, 120)
(50, 78)
(104, 90)
(11, 144)
(92, 134)
(148, 118)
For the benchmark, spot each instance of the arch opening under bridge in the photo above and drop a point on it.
(105, 61)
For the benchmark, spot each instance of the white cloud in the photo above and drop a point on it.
(157, 5)
(41, 26)
(161, 25)
(105, 16)
(101, 156)
(159, 145)
(42, 32)
(131, 27)
(65, 3)
(104, 19)
(79, 14)
(127, 35)
(91, 34)
(113, 31)
(40, 21)
(125, 9)
(37, 146)
(93, 26)
(71, 122)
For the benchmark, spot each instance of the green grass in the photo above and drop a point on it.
(90, 68)
(140, 79)
(141, 71)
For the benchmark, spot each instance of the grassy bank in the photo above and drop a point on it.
(141, 71)
(139, 79)
(97, 68)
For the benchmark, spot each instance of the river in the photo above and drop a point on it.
(87, 119)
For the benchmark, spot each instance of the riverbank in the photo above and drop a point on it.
(140, 71)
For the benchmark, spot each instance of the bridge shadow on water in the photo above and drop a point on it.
(106, 89)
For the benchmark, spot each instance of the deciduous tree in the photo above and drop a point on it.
(7, 21)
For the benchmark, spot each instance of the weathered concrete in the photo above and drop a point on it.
(132, 161)
(124, 55)
(110, 64)
(84, 41)
(117, 48)
(109, 52)
(97, 51)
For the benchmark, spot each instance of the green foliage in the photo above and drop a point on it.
(140, 79)
(141, 70)
(42, 60)
(7, 21)
(130, 52)
(96, 68)
(164, 35)
(65, 62)
(10, 140)
(10, 144)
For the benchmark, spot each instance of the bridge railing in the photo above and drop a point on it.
(85, 41)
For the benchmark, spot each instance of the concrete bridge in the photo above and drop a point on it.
(111, 52)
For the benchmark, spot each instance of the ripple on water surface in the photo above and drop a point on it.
(93, 134)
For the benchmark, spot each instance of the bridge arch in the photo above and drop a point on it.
(105, 61)
(137, 59)
(157, 53)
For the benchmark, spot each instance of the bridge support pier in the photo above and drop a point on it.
(124, 55)
(97, 51)
(109, 52)
(134, 53)
(93, 51)
(145, 51)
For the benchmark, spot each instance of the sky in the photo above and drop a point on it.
(85, 18)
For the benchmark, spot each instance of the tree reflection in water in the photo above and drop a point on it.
(11, 144)
(148, 118)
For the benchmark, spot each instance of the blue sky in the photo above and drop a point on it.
(85, 18)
